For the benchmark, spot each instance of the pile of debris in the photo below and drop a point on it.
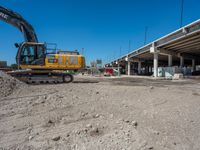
(8, 84)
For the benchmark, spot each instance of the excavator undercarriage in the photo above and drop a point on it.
(42, 76)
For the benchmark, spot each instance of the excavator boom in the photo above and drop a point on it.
(17, 20)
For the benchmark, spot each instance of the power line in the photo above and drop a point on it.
(82, 51)
(129, 46)
(114, 56)
(181, 19)
(120, 51)
(145, 35)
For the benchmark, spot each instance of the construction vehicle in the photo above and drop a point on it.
(37, 63)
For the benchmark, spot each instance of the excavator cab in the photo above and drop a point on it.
(30, 53)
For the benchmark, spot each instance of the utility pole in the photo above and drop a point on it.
(114, 56)
(120, 51)
(82, 51)
(145, 35)
(129, 46)
(118, 65)
(181, 19)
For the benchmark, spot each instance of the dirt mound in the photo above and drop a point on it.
(8, 84)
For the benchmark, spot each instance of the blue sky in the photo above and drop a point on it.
(98, 26)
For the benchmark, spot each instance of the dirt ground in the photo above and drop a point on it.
(103, 114)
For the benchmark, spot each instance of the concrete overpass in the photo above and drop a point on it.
(179, 48)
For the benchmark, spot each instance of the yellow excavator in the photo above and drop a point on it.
(36, 62)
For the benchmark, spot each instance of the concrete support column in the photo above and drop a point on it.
(155, 64)
(129, 68)
(126, 69)
(147, 69)
(181, 61)
(169, 60)
(118, 69)
(193, 65)
(133, 68)
(139, 67)
(155, 52)
(151, 69)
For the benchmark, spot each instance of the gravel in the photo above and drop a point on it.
(125, 114)
(8, 84)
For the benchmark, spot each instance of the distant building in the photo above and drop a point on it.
(3, 64)
(96, 64)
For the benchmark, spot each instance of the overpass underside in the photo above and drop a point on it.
(177, 52)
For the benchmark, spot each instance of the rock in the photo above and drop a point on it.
(89, 126)
(97, 92)
(29, 102)
(111, 115)
(127, 134)
(95, 132)
(29, 130)
(151, 147)
(78, 132)
(59, 96)
(125, 106)
(117, 122)
(75, 97)
(50, 121)
(84, 114)
(43, 101)
(30, 138)
(96, 116)
(134, 123)
(56, 138)
(85, 130)
(127, 121)
(151, 87)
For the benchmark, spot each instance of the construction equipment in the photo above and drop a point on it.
(35, 62)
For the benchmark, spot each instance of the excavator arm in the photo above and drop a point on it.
(19, 22)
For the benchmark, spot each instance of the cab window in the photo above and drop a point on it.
(32, 55)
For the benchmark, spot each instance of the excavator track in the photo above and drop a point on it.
(41, 76)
